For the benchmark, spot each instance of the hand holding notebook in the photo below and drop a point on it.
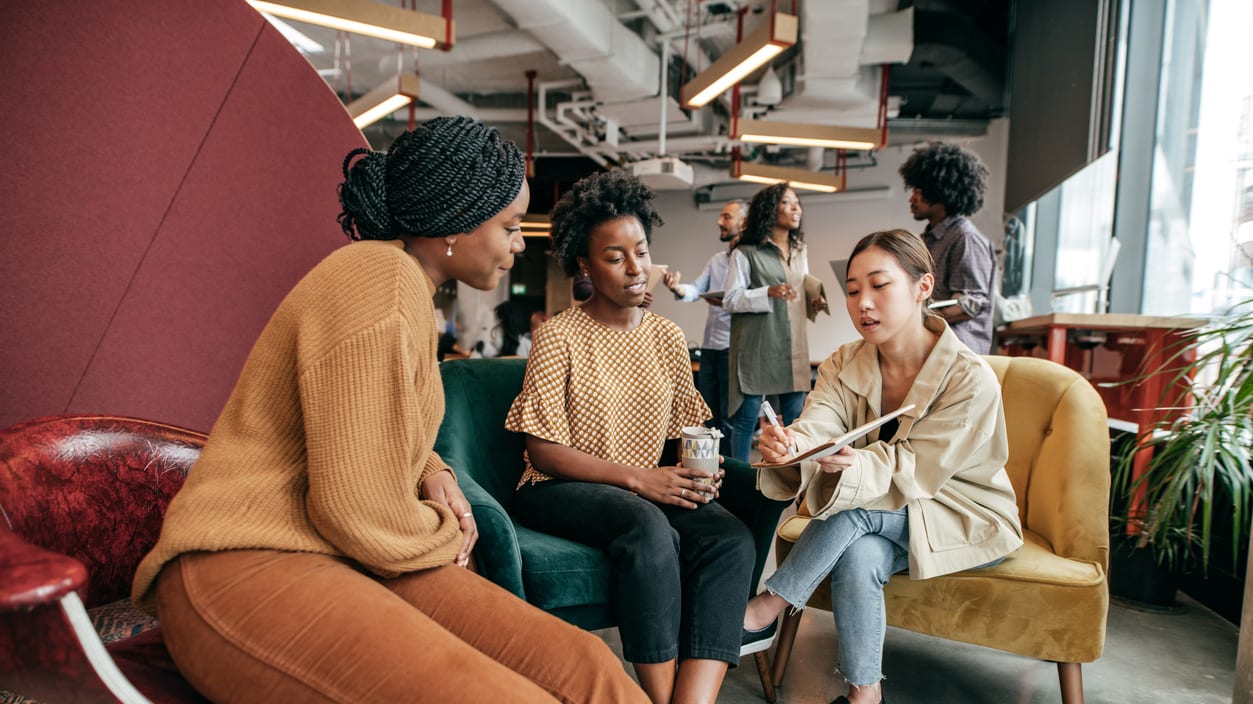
(834, 445)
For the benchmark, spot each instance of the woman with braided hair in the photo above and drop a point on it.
(317, 549)
(608, 388)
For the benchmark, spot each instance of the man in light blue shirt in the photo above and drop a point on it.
(714, 350)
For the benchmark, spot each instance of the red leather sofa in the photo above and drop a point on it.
(81, 502)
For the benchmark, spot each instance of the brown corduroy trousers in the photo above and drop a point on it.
(263, 625)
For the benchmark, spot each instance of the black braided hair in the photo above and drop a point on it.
(763, 213)
(598, 198)
(947, 175)
(446, 176)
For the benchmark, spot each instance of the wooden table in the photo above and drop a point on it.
(1108, 349)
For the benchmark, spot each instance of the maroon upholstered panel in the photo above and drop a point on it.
(171, 174)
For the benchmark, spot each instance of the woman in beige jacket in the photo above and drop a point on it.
(927, 491)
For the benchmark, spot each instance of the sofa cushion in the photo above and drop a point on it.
(558, 573)
(982, 607)
(1034, 603)
(1033, 562)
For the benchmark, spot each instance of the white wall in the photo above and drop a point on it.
(832, 225)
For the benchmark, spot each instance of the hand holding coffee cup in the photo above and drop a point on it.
(698, 449)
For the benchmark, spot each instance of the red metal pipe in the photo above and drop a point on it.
(530, 123)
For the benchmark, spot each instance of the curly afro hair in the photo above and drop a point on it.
(601, 197)
(763, 213)
(947, 175)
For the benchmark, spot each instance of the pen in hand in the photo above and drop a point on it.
(774, 420)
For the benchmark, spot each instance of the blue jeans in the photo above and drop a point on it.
(679, 576)
(712, 380)
(861, 550)
(745, 420)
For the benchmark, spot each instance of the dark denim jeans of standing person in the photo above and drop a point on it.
(680, 576)
(744, 422)
(712, 380)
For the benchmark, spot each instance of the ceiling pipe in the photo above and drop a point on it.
(842, 46)
(495, 45)
(615, 62)
(543, 119)
(488, 115)
(679, 145)
(530, 122)
(663, 16)
(662, 94)
(584, 134)
(445, 102)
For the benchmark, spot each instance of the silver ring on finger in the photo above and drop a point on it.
(683, 493)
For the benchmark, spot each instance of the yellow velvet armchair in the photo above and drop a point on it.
(1049, 599)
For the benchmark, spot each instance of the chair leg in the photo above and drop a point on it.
(763, 671)
(783, 643)
(1070, 674)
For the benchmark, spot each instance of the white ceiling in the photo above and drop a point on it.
(598, 64)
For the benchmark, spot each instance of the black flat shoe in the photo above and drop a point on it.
(763, 634)
(844, 700)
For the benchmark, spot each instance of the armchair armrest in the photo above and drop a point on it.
(49, 649)
(32, 576)
(740, 496)
(496, 553)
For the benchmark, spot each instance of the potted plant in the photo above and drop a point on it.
(1200, 460)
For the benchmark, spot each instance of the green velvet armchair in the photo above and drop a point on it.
(562, 577)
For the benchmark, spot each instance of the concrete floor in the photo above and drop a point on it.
(1150, 658)
(1187, 656)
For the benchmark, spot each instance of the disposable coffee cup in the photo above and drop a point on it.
(698, 448)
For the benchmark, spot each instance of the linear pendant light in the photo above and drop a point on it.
(368, 17)
(742, 59)
(536, 226)
(385, 99)
(807, 135)
(797, 178)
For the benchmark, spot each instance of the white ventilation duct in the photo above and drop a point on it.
(842, 46)
(496, 45)
(616, 64)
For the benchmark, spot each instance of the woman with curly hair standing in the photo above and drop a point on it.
(764, 292)
(608, 388)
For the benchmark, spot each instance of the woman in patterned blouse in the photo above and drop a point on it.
(608, 388)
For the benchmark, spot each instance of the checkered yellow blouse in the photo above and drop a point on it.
(618, 395)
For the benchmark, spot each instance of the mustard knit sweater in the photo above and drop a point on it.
(328, 434)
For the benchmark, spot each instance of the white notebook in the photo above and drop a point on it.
(833, 446)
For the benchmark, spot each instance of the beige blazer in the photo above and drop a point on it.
(946, 462)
